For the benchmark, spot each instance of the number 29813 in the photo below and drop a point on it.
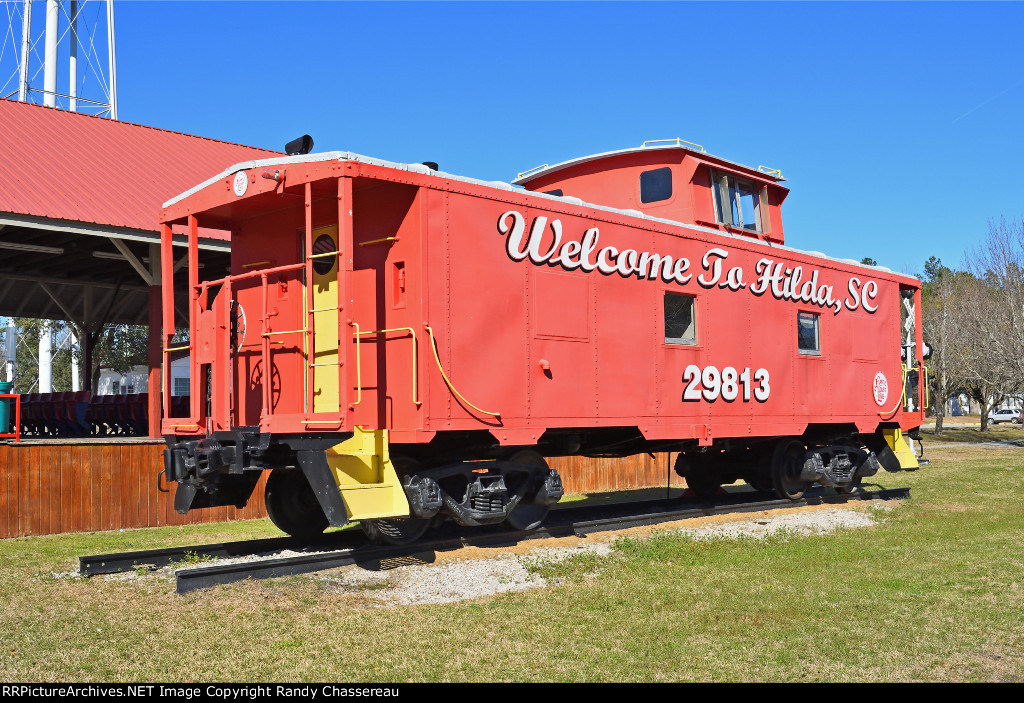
(710, 384)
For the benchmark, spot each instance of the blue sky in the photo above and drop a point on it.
(898, 126)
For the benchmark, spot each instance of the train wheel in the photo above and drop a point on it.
(292, 505)
(703, 482)
(761, 483)
(699, 474)
(398, 530)
(851, 487)
(787, 462)
(527, 516)
(395, 530)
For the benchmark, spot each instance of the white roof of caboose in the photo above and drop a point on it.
(502, 185)
(676, 144)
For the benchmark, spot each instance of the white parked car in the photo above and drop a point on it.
(1004, 415)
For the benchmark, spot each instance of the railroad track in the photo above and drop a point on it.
(350, 547)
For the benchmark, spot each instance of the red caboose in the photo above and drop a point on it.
(400, 345)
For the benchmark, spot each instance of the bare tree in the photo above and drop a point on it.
(974, 322)
(940, 324)
(983, 350)
(999, 262)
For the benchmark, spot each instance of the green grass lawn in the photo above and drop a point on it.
(958, 434)
(934, 592)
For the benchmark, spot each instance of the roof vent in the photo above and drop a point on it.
(302, 145)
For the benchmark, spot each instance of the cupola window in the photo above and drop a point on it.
(737, 202)
(656, 185)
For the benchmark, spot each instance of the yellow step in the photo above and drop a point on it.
(366, 478)
(902, 450)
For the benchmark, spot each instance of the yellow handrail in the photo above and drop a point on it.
(677, 141)
(359, 372)
(766, 169)
(377, 241)
(415, 357)
(535, 168)
(433, 345)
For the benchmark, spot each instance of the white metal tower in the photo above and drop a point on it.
(68, 32)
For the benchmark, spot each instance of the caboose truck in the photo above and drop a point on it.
(401, 346)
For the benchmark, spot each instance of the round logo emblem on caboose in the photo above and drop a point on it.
(880, 387)
(241, 183)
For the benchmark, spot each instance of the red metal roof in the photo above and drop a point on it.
(72, 166)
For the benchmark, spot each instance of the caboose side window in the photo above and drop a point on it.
(737, 202)
(656, 185)
(680, 321)
(807, 333)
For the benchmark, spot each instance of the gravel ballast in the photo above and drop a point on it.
(475, 572)
(503, 572)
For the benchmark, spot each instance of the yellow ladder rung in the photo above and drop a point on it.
(378, 241)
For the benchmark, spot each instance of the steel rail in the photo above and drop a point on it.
(560, 524)
(349, 547)
(156, 558)
(582, 528)
(370, 556)
(204, 577)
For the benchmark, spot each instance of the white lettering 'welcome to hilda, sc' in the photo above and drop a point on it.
(782, 280)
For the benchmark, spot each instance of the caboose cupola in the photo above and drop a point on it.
(672, 180)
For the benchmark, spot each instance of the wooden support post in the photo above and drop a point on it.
(155, 351)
